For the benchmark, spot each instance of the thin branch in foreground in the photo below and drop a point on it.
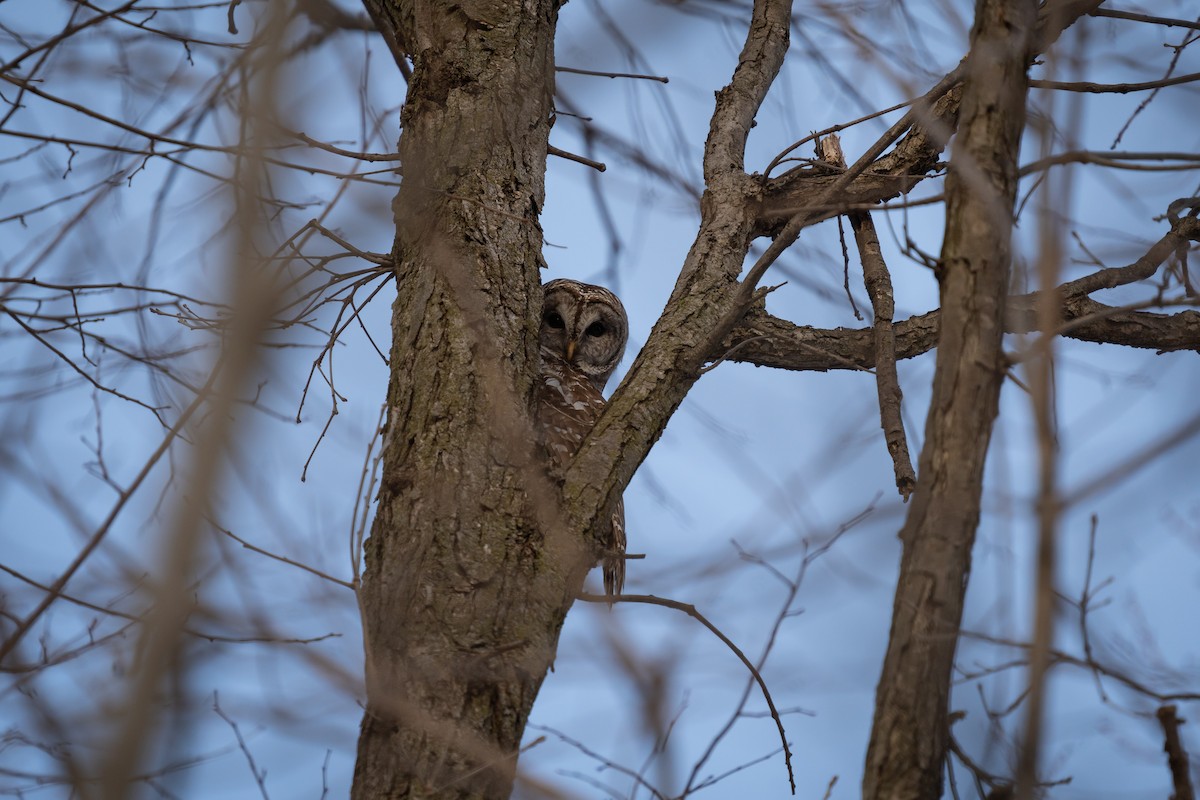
(692, 612)
(367, 481)
(1085, 605)
(1163, 444)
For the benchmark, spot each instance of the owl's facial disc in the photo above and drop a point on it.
(585, 326)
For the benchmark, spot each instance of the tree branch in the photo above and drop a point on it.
(879, 286)
(1177, 758)
(704, 303)
(910, 731)
(930, 122)
(692, 612)
(708, 301)
(768, 341)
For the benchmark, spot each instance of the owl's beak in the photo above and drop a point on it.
(571, 350)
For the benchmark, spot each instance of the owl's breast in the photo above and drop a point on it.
(567, 405)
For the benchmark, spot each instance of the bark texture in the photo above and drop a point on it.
(909, 736)
(461, 604)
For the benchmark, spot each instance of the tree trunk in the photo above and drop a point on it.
(461, 603)
(909, 737)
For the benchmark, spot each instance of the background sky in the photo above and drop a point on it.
(758, 465)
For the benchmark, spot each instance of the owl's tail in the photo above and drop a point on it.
(614, 562)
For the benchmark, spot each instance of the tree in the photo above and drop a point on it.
(476, 554)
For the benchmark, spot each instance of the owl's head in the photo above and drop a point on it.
(585, 326)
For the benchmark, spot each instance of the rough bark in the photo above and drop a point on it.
(909, 736)
(461, 604)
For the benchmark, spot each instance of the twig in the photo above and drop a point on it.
(1059, 657)
(37, 335)
(1114, 88)
(575, 71)
(325, 774)
(1085, 605)
(374, 10)
(338, 151)
(581, 747)
(277, 557)
(1112, 159)
(49, 44)
(879, 286)
(981, 776)
(98, 536)
(1188, 39)
(1163, 444)
(136, 618)
(691, 611)
(1177, 757)
(1170, 22)
(232, 25)
(804, 217)
(259, 775)
(846, 262)
(715, 779)
(779, 159)
(596, 165)
(362, 496)
(730, 352)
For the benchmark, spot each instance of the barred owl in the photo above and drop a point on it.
(583, 334)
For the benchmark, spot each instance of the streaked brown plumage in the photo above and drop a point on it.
(583, 335)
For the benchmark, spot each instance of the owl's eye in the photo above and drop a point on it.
(596, 329)
(553, 319)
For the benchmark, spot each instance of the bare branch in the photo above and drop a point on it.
(576, 71)
(1114, 88)
(879, 286)
(692, 612)
(768, 341)
(910, 736)
(1177, 758)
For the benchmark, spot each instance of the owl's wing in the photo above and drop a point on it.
(568, 404)
(614, 565)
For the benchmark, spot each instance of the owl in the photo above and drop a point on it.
(583, 335)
